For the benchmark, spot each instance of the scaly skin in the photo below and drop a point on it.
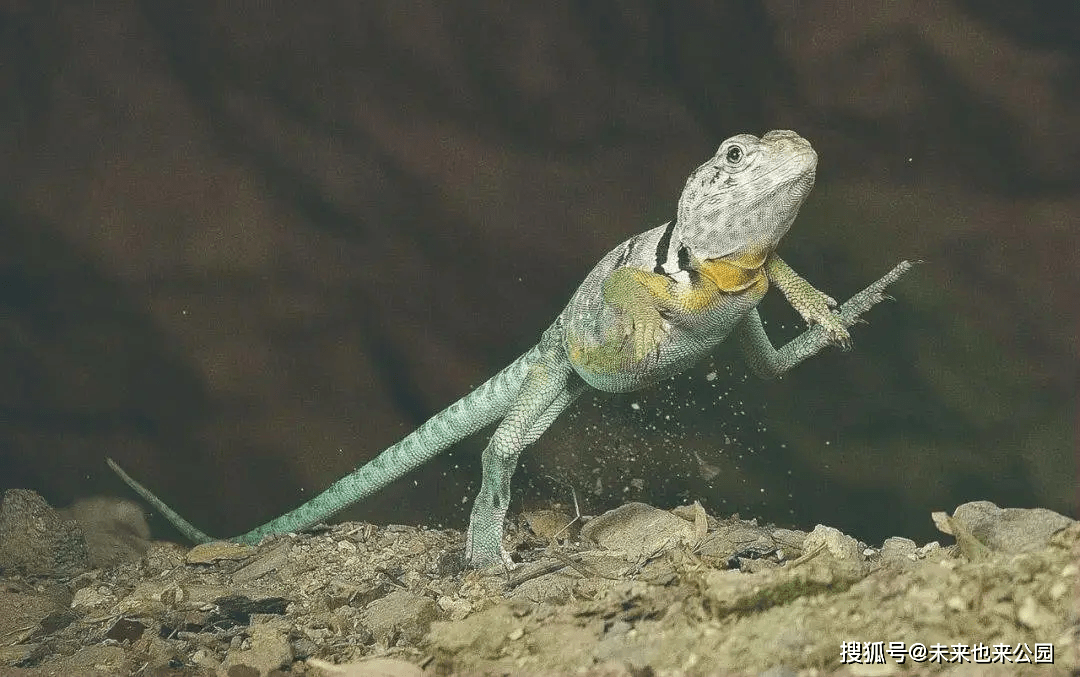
(654, 306)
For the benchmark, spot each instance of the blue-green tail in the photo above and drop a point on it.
(480, 408)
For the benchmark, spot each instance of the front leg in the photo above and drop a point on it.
(814, 305)
(766, 362)
(642, 300)
(639, 295)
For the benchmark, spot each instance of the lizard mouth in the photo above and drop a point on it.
(792, 191)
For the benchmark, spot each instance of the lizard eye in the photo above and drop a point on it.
(734, 155)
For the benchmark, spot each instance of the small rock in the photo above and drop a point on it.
(898, 549)
(36, 540)
(551, 588)
(845, 552)
(735, 540)
(401, 612)
(151, 597)
(550, 524)
(1010, 529)
(841, 546)
(789, 542)
(695, 512)
(273, 559)
(268, 650)
(206, 659)
(205, 553)
(928, 550)
(637, 529)
(303, 647)
(90, 597)
(972, 548)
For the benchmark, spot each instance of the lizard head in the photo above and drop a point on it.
(747, 195)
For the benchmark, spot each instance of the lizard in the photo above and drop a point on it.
(651, 308)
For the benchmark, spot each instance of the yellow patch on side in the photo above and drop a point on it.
(697, 296)
(729, 275)
(736, 272)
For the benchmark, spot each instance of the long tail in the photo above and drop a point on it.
(478, 409)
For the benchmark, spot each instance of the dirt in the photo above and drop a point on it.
(637, 591)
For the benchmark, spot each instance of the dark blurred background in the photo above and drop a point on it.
(246, 246)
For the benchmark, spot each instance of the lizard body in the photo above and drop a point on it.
(652, 307)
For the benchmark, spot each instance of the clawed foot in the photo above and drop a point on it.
(483, 543)
(478, 558)
(837, 333)
(816, 307)
(643, 332)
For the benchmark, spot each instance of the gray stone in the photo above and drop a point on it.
(637, 529)
(1010, 529)
(898, 549)
(268, 648)
(36, 540)
(401, 612)
(836, 543)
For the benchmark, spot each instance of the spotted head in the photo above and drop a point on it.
(747, 195)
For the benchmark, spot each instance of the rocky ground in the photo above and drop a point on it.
(636, 591)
